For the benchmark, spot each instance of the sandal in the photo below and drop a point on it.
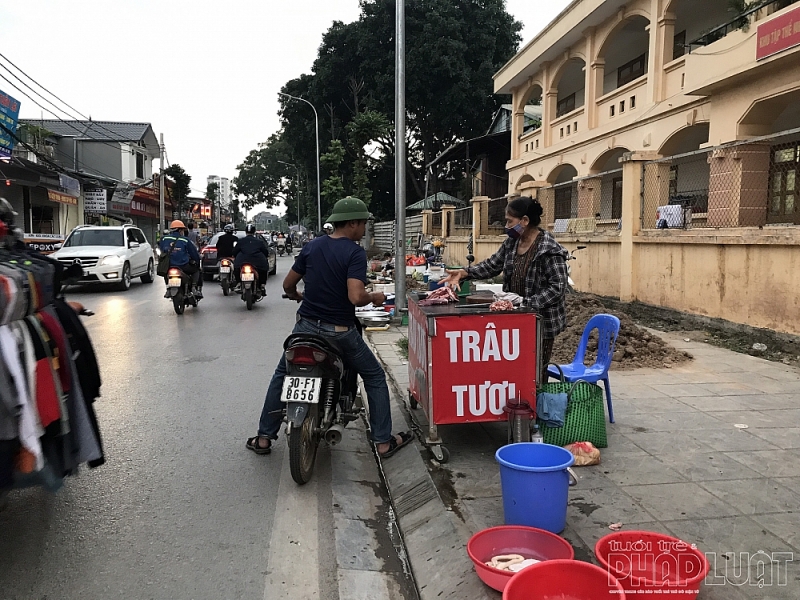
(252, 444)
(394, 446)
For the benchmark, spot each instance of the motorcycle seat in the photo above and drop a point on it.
(308, 339)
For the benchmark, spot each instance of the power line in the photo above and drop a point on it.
(49, 92)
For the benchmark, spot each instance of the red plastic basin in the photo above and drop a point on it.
(646, 562)
(513, 539)
(563, 580)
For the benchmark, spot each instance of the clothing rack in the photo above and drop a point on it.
(49, 377)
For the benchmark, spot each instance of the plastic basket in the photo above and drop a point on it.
(585, 420)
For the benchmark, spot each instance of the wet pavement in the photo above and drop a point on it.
(181, 510)
(679, 461)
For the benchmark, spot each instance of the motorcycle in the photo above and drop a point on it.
(251, 286)
(320, 394)
(571, 256)
(226, 275)
(283, 245)
(180, 290)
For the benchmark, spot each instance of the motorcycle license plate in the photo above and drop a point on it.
(301, 389)
(248, 277)
(175, 282)
(224, 269)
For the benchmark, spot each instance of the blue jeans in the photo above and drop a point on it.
(358, 356)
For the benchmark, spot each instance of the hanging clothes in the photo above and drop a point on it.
(49, 377)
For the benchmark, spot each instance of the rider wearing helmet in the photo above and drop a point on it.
(334, 268)
(226, 242)
(182, 254)
(327, 228)
(253, 251)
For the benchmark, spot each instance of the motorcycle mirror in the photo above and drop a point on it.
(581, 248)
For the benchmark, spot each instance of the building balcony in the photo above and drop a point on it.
(618, 104)
(568, 126)
(735, 58)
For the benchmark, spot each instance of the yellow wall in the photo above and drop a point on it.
(749, 278)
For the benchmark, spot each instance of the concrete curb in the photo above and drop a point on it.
(435, 538)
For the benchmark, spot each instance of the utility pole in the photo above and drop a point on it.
(161, 182)
(400, 157)
(316, 124)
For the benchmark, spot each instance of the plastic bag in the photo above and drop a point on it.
(585, 453)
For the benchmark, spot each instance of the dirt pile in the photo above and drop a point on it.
(635, 347)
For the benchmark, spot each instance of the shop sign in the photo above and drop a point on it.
(9, 113)
(95, 201)
(70, 185)
(472, 364)
(55, 196)
(143, 209)
(45, 243)
(778, 34)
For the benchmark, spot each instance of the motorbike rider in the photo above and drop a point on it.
(226, 242)
(334, 269)
(252, 251)
(183, 254)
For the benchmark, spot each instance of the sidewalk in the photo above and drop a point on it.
(675, 464)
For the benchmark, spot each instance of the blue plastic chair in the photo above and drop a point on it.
(607, 328)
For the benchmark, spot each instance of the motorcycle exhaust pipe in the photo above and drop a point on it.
(334, 435)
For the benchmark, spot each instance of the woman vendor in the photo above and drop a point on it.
(534, 266)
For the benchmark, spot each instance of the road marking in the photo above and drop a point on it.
(293, 557)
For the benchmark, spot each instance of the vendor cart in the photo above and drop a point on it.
(465, 362)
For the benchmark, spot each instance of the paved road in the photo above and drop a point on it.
(181, 509)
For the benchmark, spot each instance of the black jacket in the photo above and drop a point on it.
(253, 251)
(225, 245)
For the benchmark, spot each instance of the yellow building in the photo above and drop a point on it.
(670, 143)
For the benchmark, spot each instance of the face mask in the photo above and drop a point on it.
(515, 231)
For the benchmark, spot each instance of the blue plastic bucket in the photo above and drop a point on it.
(535, 484)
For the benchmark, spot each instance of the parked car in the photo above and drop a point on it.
(209, 261)
(109, 255)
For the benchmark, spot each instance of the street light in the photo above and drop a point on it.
(298, 190)
(316, 123)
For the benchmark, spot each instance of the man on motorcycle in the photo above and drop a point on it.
(226, 242)
(334, 269)
(252, 251)
(182, 254)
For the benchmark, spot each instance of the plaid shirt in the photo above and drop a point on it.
(545, 282)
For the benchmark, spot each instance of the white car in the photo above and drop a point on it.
(109, 255)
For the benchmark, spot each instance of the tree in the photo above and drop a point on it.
(181, 189)
(453, 51)
(333, 186)
(212, 191)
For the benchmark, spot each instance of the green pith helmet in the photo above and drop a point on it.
(349, 209)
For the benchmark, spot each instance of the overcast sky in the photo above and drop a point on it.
(205, 74)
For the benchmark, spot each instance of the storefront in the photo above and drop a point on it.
(144, 209)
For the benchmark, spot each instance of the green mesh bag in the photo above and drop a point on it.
(585, 420)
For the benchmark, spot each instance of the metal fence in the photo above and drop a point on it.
(436, 223)
(383, 233)
(462, 221)
(610, 196)
(565, 200)
(496, 215)
(744, 184)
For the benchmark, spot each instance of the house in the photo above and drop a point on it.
(669, 142)
(106, 156)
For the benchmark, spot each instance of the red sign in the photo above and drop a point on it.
(143, 209)
(61, 198)
(471, 365)
(778, 34)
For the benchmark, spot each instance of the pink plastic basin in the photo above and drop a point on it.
(513, 539)
(649, 563)
(563, 580)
